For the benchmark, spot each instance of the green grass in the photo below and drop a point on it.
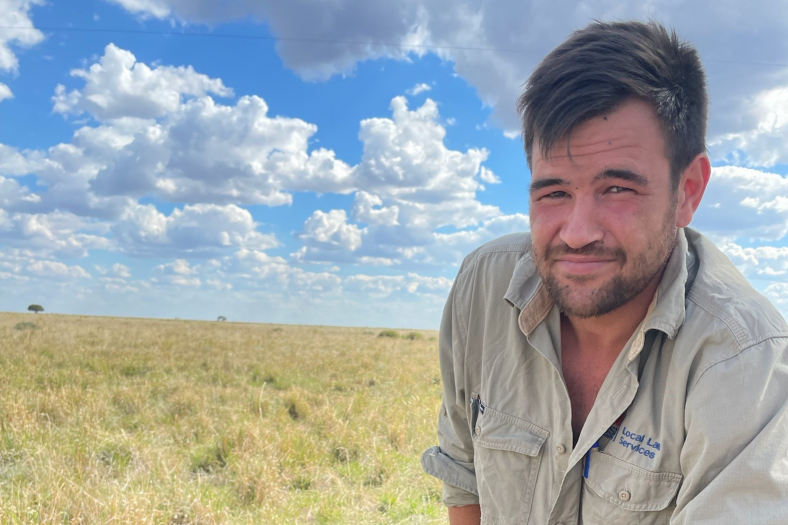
(109, 420)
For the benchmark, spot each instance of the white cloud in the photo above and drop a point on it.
(488, 176)
(410, 185)
(156, 8)
(14, 163)
(764, 262)
(496, 48)
(742, 202)
(57, 270)
(429, 285)
(17, 30)
(53, 234)
(14, 196)
(121, 270)
(178, 272)
(331, 230)
(197, 150)
(366, 208)
(418, 88)
(5, 92)
(374, 285)
(778, 294)
(196, 230)
(382, 286)
(119, 86)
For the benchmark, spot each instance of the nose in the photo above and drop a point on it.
(581, 226)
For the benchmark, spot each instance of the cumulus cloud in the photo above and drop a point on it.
(368, 208)
(743, 202)
(57, 270)
(495, 47)
(14, 196)
(178, 272)
(52, 234)
(156, 141)
(121, 270)
(197, 230)
(778, 294)
(382, 286)
(331, 230)
(418, 88)
(409, 185)
(5, 92)
(120, 87)
(764, 262)
(762, 143)
(18, 30)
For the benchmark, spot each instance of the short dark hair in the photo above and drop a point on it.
(600, 66)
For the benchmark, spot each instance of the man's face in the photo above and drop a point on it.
(604, 223)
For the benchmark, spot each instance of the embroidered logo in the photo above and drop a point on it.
(640, 443)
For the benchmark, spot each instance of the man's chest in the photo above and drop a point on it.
(530, 398)
(582, 385)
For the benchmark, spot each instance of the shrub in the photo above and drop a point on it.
(414, 336)
(388, 333)
(26, 326)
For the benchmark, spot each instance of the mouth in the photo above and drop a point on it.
(582, 265)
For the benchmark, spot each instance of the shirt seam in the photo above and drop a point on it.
(770, 337)
(463, 331)
(507, 248)
(461, 277)
(737, 332)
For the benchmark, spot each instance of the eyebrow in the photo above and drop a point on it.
(626, 175)
(543, 183)
(620, 174)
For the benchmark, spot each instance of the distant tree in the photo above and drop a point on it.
(35, 308)
(221, 318)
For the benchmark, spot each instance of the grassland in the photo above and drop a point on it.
(110, 420)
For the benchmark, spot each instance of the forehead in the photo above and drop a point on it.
(629, 137)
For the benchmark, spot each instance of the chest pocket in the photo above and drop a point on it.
(621, 493)
(507, 453)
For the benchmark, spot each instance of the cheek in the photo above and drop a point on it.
(544, 228)
(631, 224)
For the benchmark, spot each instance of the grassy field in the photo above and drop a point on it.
(112, 420)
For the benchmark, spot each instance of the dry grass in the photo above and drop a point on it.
(110, 420)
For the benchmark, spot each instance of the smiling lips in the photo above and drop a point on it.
(582, 265)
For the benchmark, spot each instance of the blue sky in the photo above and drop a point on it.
(294, 165)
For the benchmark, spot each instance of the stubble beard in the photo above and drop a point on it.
(617, 291)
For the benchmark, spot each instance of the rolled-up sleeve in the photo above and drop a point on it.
(452, 460)
(735, 454)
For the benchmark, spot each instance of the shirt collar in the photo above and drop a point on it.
(666, 311)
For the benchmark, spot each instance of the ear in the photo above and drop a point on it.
(691, 187)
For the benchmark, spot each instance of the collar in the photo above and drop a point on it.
(666, 311)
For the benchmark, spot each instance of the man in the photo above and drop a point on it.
(613, 366)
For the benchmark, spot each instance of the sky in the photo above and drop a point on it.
(324, 162)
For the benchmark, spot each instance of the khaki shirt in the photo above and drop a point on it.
(690, 425)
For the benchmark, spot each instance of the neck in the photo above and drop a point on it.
(609, 333)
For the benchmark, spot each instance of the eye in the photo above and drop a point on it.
(554, 195)
(617, 190)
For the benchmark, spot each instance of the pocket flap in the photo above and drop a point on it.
(629, 486)
(499, 431)
(443, 467)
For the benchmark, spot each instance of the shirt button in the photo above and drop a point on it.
(443, 410)
(478, 430)
(624, 495)
(560, 449)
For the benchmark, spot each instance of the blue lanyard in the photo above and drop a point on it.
(588, 458)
